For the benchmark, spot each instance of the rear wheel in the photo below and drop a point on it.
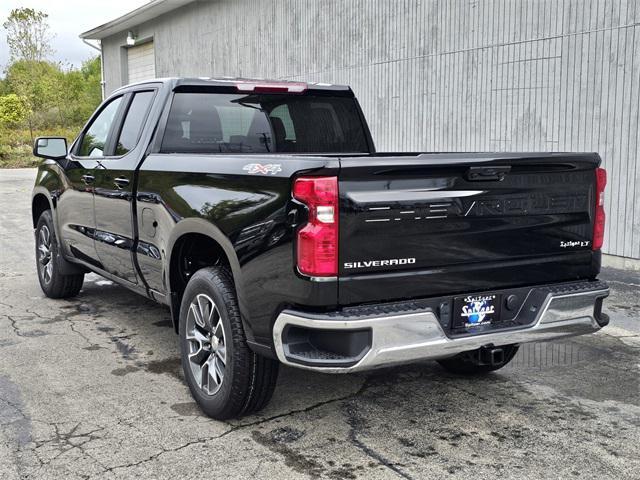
(482, 360)
(53, 282)
(226, 378)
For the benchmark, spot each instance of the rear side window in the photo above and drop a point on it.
(134, 121)
(206, 122)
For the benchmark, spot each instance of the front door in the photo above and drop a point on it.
(75, 210)
(113, 187)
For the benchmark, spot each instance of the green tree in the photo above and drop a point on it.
(78, 92)
(4, 87)
(38, 83)
(55, 96)
(38, 96)
(92, 75)
(13, 110)
(28, 34)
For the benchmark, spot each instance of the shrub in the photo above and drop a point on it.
(16, 145)
(13, 110)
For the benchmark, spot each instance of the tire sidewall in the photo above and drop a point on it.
(46, 219)
(217, 403)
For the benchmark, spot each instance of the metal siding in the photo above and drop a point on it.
(441, 75)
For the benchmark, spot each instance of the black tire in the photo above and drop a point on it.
(49, 260)
(470, 363)
(249, 379)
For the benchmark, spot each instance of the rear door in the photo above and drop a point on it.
(114, 182)
(433, 224)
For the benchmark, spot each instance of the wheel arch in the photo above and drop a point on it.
(39, 203)
(216, 248)
(49, 185)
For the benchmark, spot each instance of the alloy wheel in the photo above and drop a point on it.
(45, 260)
(207, 353)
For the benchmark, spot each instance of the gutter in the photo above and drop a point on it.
(102, 82)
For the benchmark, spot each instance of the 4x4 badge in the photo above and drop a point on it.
(258, 168)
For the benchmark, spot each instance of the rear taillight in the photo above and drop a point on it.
(599, 220)
(317, 245)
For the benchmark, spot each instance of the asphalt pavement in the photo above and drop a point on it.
(91, 387)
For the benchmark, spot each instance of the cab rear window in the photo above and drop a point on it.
(204, 122)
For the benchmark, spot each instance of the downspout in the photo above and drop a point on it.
(102, 82)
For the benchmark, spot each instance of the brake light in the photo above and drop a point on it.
(317, 243)
(599, 219)
(271, 87)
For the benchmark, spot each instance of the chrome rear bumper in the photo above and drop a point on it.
(418, 335)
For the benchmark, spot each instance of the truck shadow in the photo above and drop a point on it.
(142, 335)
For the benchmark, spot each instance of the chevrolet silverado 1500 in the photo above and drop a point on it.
(260, 213)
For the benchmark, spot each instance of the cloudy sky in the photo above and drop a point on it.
(67, 19)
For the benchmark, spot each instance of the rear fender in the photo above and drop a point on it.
(203, 227)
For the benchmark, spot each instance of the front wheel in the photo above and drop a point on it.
(53, 282)
(479, 361)
(226, 378)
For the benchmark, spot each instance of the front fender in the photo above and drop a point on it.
(49, 183)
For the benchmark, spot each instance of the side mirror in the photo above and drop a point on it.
(52, 148)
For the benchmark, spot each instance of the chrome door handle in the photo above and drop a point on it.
(88, 178)
(121, 182)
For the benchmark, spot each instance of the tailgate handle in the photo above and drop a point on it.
(486, 174)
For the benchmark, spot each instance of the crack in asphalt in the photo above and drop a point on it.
(6, 305)
(356, 425)
(16, 330)
(294, 412)
(13, 320)
(72, 327)
(63, 441)
(16, 408)
(35, 314)
(236, 428)
(354, 421)
(157, 455)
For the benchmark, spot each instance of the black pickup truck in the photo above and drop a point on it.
(261, 214)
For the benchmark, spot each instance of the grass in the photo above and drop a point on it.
(16, 145)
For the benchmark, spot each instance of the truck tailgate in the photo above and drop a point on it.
(423, 225)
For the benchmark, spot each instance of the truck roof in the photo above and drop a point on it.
(244, 83)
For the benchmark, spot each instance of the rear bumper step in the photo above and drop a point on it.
(378, 336)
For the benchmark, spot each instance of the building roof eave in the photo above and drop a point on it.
(142, 14)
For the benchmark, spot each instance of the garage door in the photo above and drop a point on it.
(141, 62)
